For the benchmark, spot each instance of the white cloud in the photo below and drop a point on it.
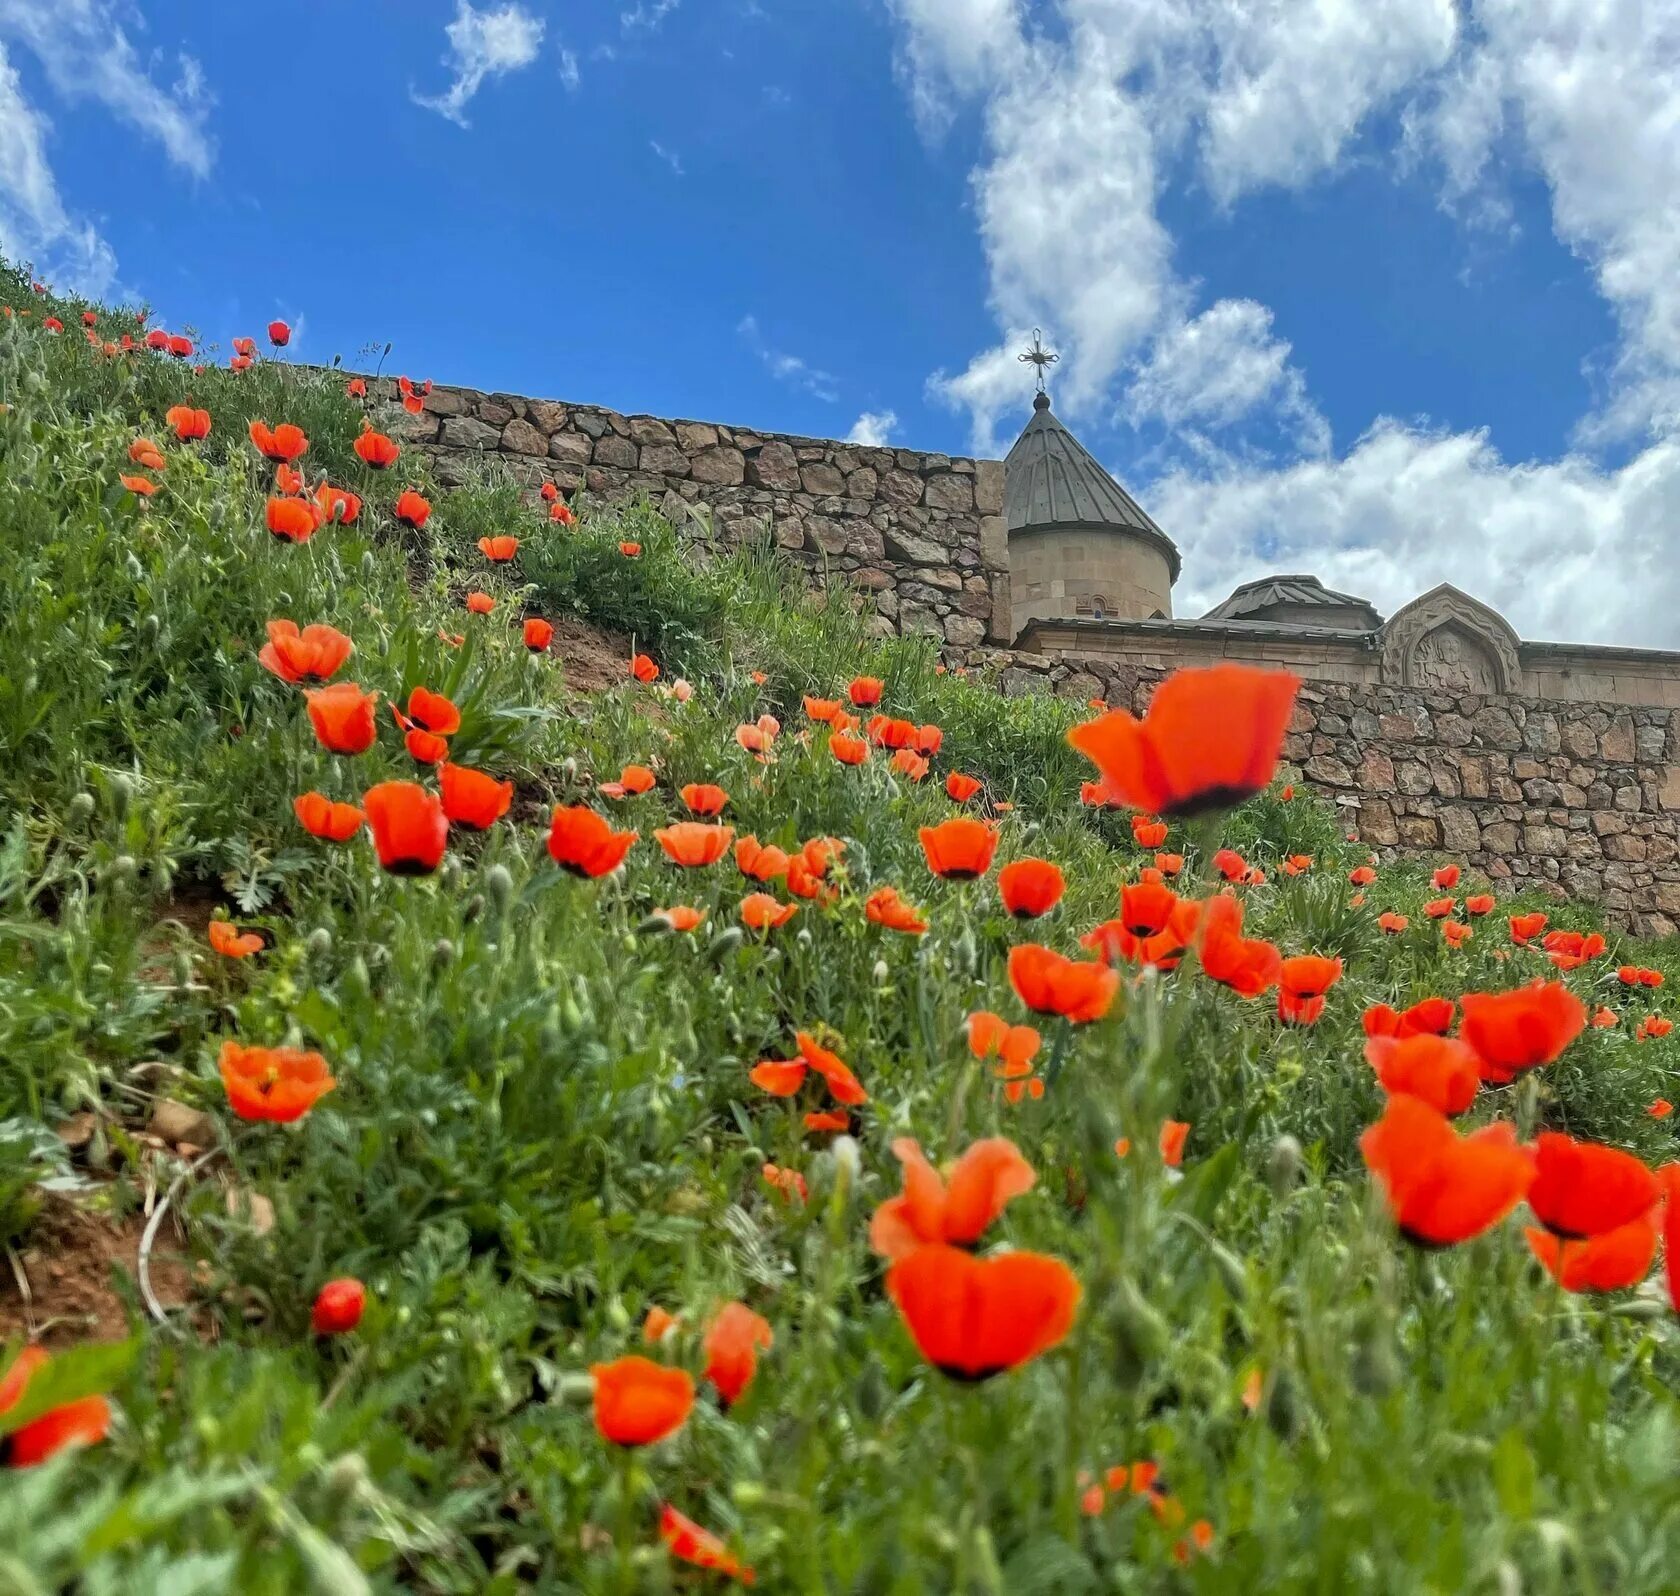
(786, 368)
(669, 157)
(34, 224)
(646, 15)
(951, 49)
(86, 55)
(483, 44)
(874, 428)
(570, 76)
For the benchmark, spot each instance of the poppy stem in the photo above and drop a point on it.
(625, 1537)
(1058, 1054)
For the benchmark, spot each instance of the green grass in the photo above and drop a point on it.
(544, 1126)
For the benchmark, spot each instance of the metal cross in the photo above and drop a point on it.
(1038, 356)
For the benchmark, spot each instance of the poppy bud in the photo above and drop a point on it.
(847, 1161)
(81, 808)
(183, 968)
(450, 874)
(1283, 1168)
(1142, 1333)
(149, 628)
(121, 790)
(498, 882)
(568, 769)
(724, 943)
(872, 1393)
(347, 1476)
(443, 953)
(320, 942)
(123, 869)
(339, 1307)
(355, 981)
(880, 972)
(474, 908)
(618, 1316)
(653, 925)
(747, 1493)
(369, 568)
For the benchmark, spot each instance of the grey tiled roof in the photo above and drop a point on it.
(1251, 598)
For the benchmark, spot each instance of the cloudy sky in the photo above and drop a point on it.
(1388, 290)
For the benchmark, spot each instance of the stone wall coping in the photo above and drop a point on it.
(1257, 631)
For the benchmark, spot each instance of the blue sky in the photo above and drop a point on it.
(1386, 290)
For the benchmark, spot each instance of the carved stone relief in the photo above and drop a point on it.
(1446, 642)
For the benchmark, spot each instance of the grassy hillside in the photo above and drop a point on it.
(545, 1121)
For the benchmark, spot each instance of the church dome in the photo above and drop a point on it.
(1299, 601)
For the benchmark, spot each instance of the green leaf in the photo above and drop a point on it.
(83, 1371)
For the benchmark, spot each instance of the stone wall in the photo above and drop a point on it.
(920, 536)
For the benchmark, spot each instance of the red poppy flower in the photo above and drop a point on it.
(356, 388)
(549, 492)
(321, 817)
(278, 1084)
(285, 442)
(1660, 1108)
(143, 452)
(188, 424)
(342, 716)
(1439, 908)
(480, 604)
(630, 551)
(1653, 1027)
(84, 1422)
(538, 634)
(849, 750)
(1443, 1072)
(581, 842)
(1520, 1030)
(433, 711)
(761, 912)
(884, 907)
(410, 828)
(1248, 965)
(413, 398)
(1211, 738)
(1479, 904)
(279, 334)
(295, 520)
(1147, 832)
(1174, 1134)
(886, 732)
(960, 788)
(144, 487)
(337, 505)
(821, 710)
(244, 346)
(864, 691)
(562, 513)
(374, 448)
(1154, 928)
(780, 1077)
(788, 1182)
(690, 844)
(413, 509)
(471, 798)
(1455, 933)
(1610, 1261)
(1584, 1188)
(157, 340)
(907, 762)
(1048, 983)
(843, 1085)
(1392, 923)
(1443, 1188)
(960, 849)
(731, 1346)
(958, 1209)
(1525, 927)
(1302, 983)
(633, 781)
(689, 1543)
(703, 798)
(180, 347)
(1030, 887)
(643, 668)
(758, 862)
(638, 1401)
(1569, 950)
(339, 1306)
(498, 550)
(973, 1318)
(315, 653)
(1433, 1016)
(1446, 878)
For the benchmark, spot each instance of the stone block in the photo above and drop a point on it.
(821, 478)
(950, 492)
(693, 436)
(902, 545)
(776, 467)
(1419, 831)
(1546, 841)
(1618, 745)
(861, 483)
(988, 487)
(520, 437)
(664, 459)
(650, 430)
(611, 450)
(721, 466)
(465, 432)
(901, 488)
(965, 631)
(1460, 830)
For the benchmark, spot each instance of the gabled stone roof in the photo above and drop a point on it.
(1252, 599)
(1052, 480)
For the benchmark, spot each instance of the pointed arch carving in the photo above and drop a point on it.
(1448, 642)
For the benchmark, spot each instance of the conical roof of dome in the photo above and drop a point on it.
(1052, 480)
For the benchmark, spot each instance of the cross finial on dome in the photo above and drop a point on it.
(1037, 355)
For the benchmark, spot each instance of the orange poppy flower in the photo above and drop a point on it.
(959, 1209)
(409, 826)
(480, 603)
(885, 732)
(321, 817)
(1030, 887)
(907, 762)
(562, 512)
(356, 388)
(846, 748)
(884, 907)
(658, 1324)
(990, 1035)
(689, 1543)
(788, 1182)
(144, 487)
(643, 668)
(1095, 795)
(691, 844)
(961, 788)
(1446, 878)
(1363, 876)
(827, 1122)
(1148, 832)
(1174, 1134)
(1154, 928)
(1653, 1027)
(959, 849)
(1526, 927)
(761, 912)
(1479, 904)
(1611, 1261)
(279, 1084)
(1248, 965)
(1297, 864)
(336, 505)
(1605, 1019)
(415, 509)
(285, 442)
(1585, 1188)
(1048, 983)
(188, 424)
(1169, 864)
(143, 452)
(1638, 975)
(1444, 1073)
(1211, 738)
(1393, 924)
(287, 482)
(1302, 983)
(843, 1085)
(498, 550)
(1439, 908)
(538, 634)
(632, 782)
(314, 654)
(1443, 1188)
(581, 842)
(1521, 1030)
(929, 740)
(84, 1422)
(630, 551)
(374, 448)
(864, 691)
(1455, 933)
(804, 882)
(821, 710)
(682, 917)
(731, 1346)
(780, 1077)
(342, 716)
(703, 798)
(973, 1318)
(1433, 1016)
(295, 520)
(471, 798)
(1569, 950)
(760, 863)
(227, 941)
(638, 1401)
